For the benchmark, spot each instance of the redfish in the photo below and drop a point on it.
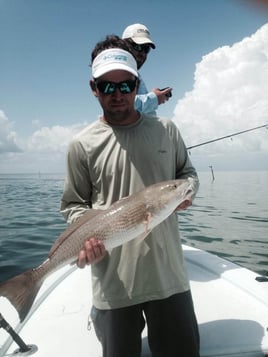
(131, 217)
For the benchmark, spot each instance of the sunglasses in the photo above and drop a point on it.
(125, 87)
(141, 48)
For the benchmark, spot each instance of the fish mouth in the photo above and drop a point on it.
(189, 192)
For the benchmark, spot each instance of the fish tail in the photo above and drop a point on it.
(21, 291)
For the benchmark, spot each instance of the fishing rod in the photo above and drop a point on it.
(227, 136)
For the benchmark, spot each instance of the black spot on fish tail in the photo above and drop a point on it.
(21, 291)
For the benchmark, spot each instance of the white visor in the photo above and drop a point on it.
(113, 59)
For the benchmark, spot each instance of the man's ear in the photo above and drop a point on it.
(92, 85)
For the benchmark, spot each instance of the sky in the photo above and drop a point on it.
(214, 54)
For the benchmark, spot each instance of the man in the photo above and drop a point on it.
(114, 157)
(138, 37)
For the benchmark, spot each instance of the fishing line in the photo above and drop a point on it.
(227, 136)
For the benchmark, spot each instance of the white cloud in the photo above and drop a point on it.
(8, 137)
(52, 139)
(43, 151)
(229, 95)
(36, 123)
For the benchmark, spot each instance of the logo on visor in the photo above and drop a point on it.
(115, 58)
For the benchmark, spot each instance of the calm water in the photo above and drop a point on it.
(229, 217)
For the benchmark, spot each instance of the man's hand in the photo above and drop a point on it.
(163, 95)
(93, 252)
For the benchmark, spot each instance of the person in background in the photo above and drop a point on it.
(138, 37)
(118, 155)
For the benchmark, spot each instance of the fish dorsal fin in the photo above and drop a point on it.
(88, 215)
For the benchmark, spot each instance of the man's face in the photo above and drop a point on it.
(140, 57)
(116, 91)
(140, 52)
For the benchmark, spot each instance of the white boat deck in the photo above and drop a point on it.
(231, 308)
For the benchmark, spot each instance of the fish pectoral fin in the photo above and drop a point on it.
(147, 231)
(147, 222)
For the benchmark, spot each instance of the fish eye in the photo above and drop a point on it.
(172, 186)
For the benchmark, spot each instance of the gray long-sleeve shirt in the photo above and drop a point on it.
(106, 163)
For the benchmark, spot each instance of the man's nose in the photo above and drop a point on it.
(117, 92)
